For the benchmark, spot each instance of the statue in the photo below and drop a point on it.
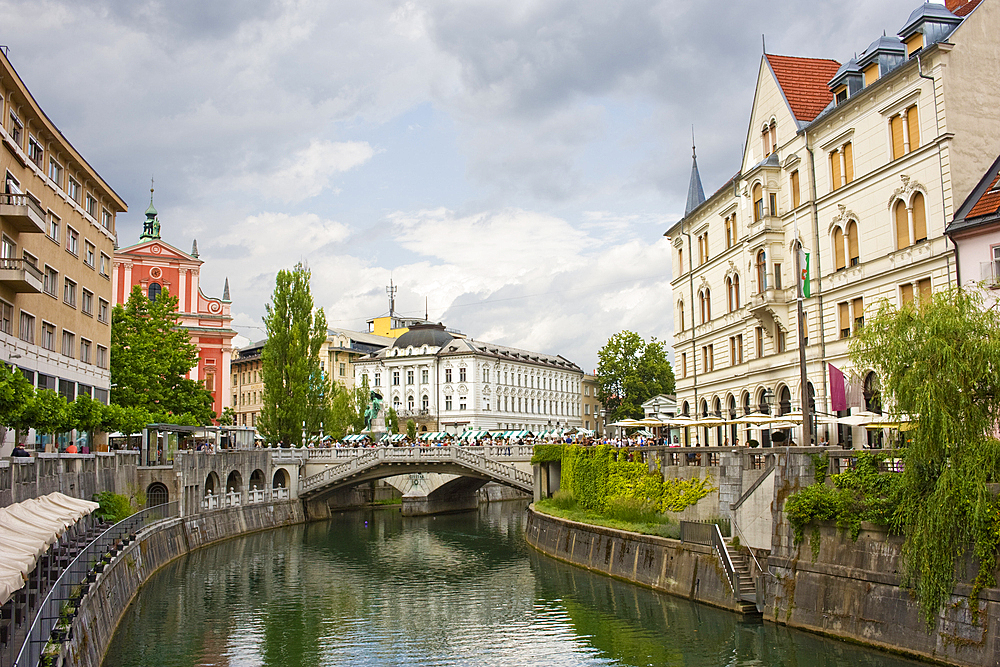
(373, 409)
(156, 227)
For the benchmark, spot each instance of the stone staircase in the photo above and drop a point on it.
(744, 586)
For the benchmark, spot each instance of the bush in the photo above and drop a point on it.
(633, 510)
(547, 452)
(564, 500)
(114, 507)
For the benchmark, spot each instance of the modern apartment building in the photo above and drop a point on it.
(57, 238)
(866, 162)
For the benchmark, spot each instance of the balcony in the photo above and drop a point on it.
(769, 307)
(20, 276)
(22, 213)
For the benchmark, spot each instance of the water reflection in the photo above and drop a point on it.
(374, 588)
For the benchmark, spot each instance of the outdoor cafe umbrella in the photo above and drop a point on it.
(902, 423)
(652, 421)
(627, 423)
(859, 419)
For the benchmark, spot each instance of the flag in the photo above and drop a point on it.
(838, 389)
(804, 273)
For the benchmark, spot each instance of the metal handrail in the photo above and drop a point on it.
(720, 548)
(732, 522)
(77, 576)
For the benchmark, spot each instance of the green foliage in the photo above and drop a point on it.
(663, 526)
(940, 359)
(295, 389)
(391, 420)
(15, 393)
(563, 499)
(150, 356)
(633, 510)
(228, 417)
(114, 507)
(47, 412)
(595, 478)
(630, 371)
(347, 411)
(546, 452)
(411, 430)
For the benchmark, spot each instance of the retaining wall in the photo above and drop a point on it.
(109, 597)
(687, 570)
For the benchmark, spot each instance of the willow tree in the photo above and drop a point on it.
(939, 360)
(294, 386)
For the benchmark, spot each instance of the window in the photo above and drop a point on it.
(844, 310)
(409, 377)
(913, 128)
(73, 190)
(835, 172)
(730, 231)
(486, 376)
(102, 310)
(378, 380)
(777, 276)
(841, 96)
(796, 197)
(35, 151)
(87, 302)
(107, 219)
(29, 258)
(759, 336)
(733, 292)
(89, 254)
(707, 358)
(53, 227)
(858, 306)
(461, 374)
(16, 129)
(69, 292)
(105, 262)
(8, 249)
(919, 219)
(781, 340)
(68, 343)
(736, 349)
(26, 328)
(904, 132)
(848, 156)
(55, 172)
(680, 315)
(684, 364)
(906, 294)
(425, 402)
(395, 378)
(772, 203)
(91, 206)
(447, 375)
(447, 402)
(343, 370)
(838, 249)
(424, 376)
(49, 336)
(51, 281)
(85, 350)
(853, 252)
(155, 289)
(758, 203)
(102, 356)
(761, 271)
(924, 289)
(72, 241)
(461, 404)
(6, 318)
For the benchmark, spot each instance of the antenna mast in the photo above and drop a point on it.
(391, 291)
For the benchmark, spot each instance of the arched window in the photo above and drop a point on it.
(708, 305)
(729, 294)
(758, 203)
(784, 401)
(701, 305)
(154, 291)
(761, 271)
(156, 494)
(919, 219)
(902, 225)
(733, 292)
(685, 408)
(774, 136)
(680, 314)
(838, 249)
(853, 253)
(409, 403)
(736, 290)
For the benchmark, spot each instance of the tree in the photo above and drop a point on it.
(228, 417)
(48, 412)
(630, 371)
(411, 430)
(15, 394)
(391, 420)
(347, 411)
(150, 356)
(86, 415)
(293, 381)
(939, 361)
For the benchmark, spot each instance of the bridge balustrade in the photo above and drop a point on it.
(279, 494)
(233, 499)
(210, 502)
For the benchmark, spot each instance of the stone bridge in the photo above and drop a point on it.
(431, 479)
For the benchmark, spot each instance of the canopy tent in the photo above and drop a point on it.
(27, 529)
(472, 436)
(357, 437)
(435, 435)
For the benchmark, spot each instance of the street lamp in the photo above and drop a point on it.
(769, 399)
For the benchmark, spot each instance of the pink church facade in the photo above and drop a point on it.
(157, 267)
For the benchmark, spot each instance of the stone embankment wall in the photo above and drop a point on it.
(691, 571)
(109, 597)
(77, 475)
(854, 590)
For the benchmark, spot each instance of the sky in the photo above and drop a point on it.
(511, 165)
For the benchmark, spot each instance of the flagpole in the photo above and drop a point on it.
(800, 272)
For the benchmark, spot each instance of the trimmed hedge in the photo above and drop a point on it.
(595, 479)
(547, 452)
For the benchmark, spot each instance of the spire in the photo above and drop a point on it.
(696, 194)
(194, 249)
(225, 290)
(151, 225)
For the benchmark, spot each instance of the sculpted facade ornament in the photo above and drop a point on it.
(906, 190)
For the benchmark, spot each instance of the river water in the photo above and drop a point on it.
(374, 588)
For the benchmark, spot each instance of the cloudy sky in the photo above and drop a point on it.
(513, 162)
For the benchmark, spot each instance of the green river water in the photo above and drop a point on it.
(374, 588)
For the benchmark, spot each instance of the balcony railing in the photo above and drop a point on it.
(20, 275)
(22, 213)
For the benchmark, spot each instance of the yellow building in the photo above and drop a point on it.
(867, 162)
(57, 228)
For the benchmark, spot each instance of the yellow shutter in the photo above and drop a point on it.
(913, 43)
(919, 218)
(845, 320)
(795, 189)
(848, 162)
(852, 243)
(871, 74)
(838, 248)
(859, 310)
(902, 226)
(835, 170)
(896, 125)
(906, 294)
(913, 127)
(924, 289)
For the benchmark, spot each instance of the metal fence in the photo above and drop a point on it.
(53, 621)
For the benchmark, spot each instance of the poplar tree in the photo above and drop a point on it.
(295, 390)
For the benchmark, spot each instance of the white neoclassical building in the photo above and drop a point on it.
(447, 382)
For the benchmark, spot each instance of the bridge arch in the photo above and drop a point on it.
(257, 480)
(280, 479)
(234, 482)
(212, 484)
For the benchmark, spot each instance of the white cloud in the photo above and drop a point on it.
(311, 170)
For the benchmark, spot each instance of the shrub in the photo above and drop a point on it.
(114, 507)
(632, 510)
(564, 500)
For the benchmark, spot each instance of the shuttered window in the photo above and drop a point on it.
(924, 289)
(838, 249)
(845, 319)
(848, 162)
(902, 226)
(834, 170)
(796, 199)
(913, 127)
(919, 219)
(896, 127)
(853, 254)
(906, 294)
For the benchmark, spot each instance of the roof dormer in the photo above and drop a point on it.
(881, 57)
(847, 81)
(928, 24)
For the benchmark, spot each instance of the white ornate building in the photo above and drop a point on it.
(448, 382)
(869, 160)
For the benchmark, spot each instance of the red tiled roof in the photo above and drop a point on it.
(988, 203)
(961, 7)
(804, 82)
